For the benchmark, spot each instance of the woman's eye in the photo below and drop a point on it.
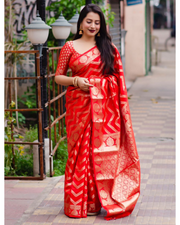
(91, 22)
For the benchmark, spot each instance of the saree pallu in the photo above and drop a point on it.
(103, 168)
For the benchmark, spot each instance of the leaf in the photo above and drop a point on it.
(5, 137)
(129, 97)
(16, 135)
(52, 118)
(154, 100)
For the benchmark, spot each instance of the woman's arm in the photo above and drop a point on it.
(82, 83)
(64, 80)
(62, 67)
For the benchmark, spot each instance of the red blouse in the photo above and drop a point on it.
(67, 54)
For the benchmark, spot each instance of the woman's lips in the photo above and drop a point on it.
(92, 31)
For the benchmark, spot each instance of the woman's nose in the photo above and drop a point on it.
(92, 25)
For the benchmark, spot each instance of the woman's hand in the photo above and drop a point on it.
(84, 84)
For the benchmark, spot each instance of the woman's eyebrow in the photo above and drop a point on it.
(91, 20)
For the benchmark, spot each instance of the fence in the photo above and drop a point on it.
(39, 110)
(56, 102)
(60, 99)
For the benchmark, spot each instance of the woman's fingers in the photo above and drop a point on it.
(86, 80)
(84, 84)
(87, 83)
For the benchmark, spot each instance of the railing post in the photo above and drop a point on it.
(40, 128)
(41, 7)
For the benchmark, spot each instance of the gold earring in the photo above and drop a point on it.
(80, 31)
(98, 35)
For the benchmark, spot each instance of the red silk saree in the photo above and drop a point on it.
(103, 168)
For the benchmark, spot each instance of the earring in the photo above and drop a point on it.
(80, 31)
(98, 35)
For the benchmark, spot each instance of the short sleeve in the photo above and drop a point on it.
(64, 58)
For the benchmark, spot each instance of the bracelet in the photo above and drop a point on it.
(75, 81)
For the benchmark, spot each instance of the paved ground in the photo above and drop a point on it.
(152, 107)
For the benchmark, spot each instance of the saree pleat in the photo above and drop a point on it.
(103, 168)
(80, 190)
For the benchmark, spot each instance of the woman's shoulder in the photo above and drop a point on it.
(68, 45)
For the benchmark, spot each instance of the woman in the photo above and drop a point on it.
(102, 169)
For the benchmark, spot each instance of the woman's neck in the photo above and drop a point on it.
(88, 39)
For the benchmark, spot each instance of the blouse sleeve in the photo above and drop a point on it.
(64, 58)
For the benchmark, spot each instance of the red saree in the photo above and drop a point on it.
(103, 168)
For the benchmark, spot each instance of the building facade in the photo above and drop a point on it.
(137, 23)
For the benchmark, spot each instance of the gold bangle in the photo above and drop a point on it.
(75, 81)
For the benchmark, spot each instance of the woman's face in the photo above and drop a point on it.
(91, 24)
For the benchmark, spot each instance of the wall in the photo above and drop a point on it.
(25, 12)
(135, 41)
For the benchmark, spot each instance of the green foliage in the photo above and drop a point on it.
(9, 121)
(60, 158)
(23, 162)
(61, 155)
(31, 134)
(68, 8)
(12, 43)
(59, 164)
(21, 118)
(29, 97)
(24, 158)
(109, 15)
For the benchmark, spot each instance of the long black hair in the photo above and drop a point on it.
(103, 41)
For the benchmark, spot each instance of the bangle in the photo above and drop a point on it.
(75, 81)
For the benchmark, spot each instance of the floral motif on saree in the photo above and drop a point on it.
(103, 168)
